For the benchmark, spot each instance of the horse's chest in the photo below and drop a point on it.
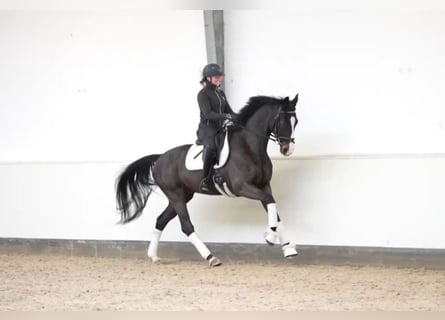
(262, 174)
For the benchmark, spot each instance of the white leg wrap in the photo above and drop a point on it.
(154, 244)
(272, 214)
(289, 250)
(199, 245)
(280, 231)
(272, 237)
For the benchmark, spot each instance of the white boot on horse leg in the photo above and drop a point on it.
(289, 250)
(153, 247)
(271, 235)
(204, 251)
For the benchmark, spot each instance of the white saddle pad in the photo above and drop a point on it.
(194, 160)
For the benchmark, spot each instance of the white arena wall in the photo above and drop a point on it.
(83, 93)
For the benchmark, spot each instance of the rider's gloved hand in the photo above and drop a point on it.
(228, 123)
(233, 119)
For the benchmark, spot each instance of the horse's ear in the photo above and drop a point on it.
(293, 103)
(286, 100)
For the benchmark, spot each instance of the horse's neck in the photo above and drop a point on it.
(258, 130)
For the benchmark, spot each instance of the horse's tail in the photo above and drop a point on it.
(134, 186)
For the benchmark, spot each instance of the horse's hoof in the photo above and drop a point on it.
(214, 262)
(271, 237)
(155, 260)
(289, 251)
(291, 256)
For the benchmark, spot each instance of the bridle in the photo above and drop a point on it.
(274, 136)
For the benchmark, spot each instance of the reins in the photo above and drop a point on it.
(271, 137)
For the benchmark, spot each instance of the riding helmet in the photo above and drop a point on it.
(212, 70)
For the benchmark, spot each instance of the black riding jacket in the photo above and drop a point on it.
(214, 107)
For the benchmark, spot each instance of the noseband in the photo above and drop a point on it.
(274, 136)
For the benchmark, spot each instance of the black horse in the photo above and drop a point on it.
(247, 173)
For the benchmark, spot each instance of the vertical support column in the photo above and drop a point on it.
(214, 31)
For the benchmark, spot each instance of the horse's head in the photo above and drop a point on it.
(284, 127)
(280, 123)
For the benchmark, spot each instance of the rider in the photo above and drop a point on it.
(215, 113)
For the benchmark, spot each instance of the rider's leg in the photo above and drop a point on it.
(209, 162)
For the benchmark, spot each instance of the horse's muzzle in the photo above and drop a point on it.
(287, 149)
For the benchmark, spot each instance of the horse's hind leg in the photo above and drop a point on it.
(187, 227)
(161, 222)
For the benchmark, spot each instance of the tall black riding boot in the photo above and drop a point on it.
(209, 161)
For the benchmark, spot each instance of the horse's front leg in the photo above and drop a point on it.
(271, 235)
(274, 234)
